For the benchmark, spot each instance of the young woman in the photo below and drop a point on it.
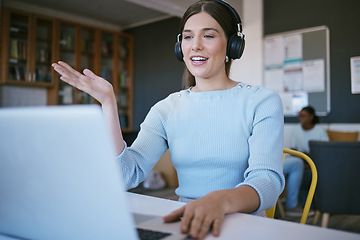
(225, 137)
(294, 167)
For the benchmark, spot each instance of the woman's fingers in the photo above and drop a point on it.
(216, 226)
(200, 228)
(67, 73)
(175, 215)
(197, 219)
(73, 77)
(205, 227)
(69, 68)
(89, 74)
(198, 225)
(95, 86)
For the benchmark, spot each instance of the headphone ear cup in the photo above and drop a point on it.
(178, 52)
(235, 47)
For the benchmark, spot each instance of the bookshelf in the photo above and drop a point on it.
(87, 59)
(124, 83)
(30, 43)
(65, 93)
(27, 47)
(108, 54)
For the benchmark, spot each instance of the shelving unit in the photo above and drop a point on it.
(124, 86)
(66, 51)
(108, 54)
(27, 49)
(30, 43)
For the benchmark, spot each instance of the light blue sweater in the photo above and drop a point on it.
(217, 140)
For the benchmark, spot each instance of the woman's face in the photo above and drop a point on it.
(204, 46)
(305, 118)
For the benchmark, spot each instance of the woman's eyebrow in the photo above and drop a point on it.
(204, 29)
(210, 29)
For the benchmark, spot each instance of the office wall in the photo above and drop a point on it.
(157, 71)
(249, 67)
(342, 18)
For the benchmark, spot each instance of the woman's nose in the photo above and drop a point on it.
(197, 44)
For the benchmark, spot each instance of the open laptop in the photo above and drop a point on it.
(59, 178)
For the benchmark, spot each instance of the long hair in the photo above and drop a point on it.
(223, 16)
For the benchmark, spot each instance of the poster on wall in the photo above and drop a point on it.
(298, 70)
(355, 75)
(283, 70)
(293, 102)
(314, 75)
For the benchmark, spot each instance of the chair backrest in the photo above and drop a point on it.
(338, 164)
(271, 212)
(338, 136)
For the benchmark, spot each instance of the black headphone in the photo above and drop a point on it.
(235, 44)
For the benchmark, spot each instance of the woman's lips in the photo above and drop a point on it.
(198, 60)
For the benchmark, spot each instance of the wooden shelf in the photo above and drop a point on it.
(31, 42)
(90, 44)
(21, 40)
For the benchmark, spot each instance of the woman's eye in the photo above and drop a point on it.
(187, 37)
(208, 36)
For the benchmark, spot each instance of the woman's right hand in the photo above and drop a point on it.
(97, 87)
(101, 90)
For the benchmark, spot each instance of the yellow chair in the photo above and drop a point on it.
(271, 212)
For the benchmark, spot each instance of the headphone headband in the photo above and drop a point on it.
(234, 12)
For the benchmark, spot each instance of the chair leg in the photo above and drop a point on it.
(325, 220)
(281, 209)
(316, 217)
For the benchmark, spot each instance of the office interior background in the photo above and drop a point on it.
(157, 72)
(154, 27)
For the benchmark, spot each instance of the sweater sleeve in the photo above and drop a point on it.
(265, 171)
(137, 161)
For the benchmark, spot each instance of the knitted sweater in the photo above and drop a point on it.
(217, 140)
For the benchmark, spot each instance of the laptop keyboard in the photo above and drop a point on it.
(151, 235)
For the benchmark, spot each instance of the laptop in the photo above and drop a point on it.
(59, 177)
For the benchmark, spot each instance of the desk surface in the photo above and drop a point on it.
(238, 225)
(244, 226)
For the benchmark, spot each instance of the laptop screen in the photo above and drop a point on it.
(59, 178)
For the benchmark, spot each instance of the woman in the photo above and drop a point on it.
(225, 138)
(294, 167)
(307, 130)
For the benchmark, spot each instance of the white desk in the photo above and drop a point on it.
(240, 226)
(244, 226)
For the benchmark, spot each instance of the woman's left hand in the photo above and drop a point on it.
(200, 216)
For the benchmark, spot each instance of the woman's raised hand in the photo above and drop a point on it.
(97, 87)
(101, 90)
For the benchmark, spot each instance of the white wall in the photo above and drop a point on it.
(341, 127)
(249, 69)
(11, 96)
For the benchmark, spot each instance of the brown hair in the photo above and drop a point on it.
(222, 15)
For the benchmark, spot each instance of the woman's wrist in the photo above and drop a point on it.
(108, 96)
(240, 199)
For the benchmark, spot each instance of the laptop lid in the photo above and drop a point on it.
(59, 178)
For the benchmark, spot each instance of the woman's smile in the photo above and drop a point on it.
(198, 60)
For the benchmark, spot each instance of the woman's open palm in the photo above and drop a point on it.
(97, 87)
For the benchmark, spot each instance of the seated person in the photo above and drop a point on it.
(225, 138)
(293, 166)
